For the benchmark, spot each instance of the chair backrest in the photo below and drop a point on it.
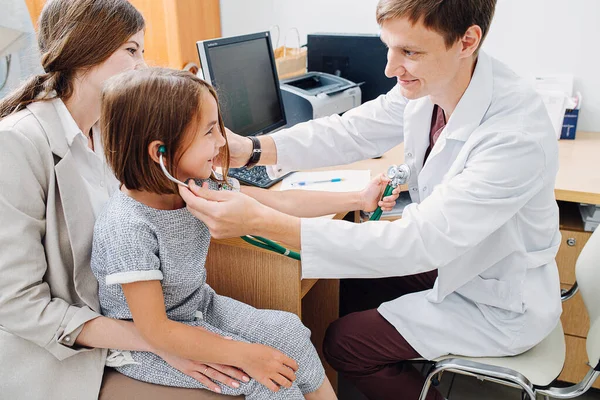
(587, 270)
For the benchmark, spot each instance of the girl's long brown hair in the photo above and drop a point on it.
(74, 35)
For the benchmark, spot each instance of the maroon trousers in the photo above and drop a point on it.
(368, 351)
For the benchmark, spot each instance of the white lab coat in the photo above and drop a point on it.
(483, 214)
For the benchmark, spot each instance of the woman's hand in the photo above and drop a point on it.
(269, 366)
(226, 214)
(371, 195)
(206, 373)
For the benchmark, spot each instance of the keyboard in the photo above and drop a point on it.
(256, 176)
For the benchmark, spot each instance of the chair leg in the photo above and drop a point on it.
(527, 389)
(426, 385)
(527, 394)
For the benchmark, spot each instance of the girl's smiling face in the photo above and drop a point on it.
(206, 140)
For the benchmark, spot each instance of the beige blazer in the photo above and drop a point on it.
(47, 289)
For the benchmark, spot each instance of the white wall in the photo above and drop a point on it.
(531, 36)
(309, 16)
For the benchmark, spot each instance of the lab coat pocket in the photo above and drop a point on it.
(494, 292)
(509, 322)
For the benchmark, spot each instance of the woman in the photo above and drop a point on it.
(53, 183)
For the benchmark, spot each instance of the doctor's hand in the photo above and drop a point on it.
(240, 149)
(371, 195)
(226, 214)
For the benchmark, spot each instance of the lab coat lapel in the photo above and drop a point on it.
(467, 117)
(417, 123)
(75, 203)
(474, 103)
(441, 157)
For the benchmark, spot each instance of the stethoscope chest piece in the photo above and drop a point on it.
(398, 174)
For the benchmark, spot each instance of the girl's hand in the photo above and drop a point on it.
(269, 366)
(371, 195)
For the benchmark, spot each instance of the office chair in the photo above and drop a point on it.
(535, 370)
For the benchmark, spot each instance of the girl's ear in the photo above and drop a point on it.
(154, 148)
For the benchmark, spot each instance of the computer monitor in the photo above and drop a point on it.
(242, 69)
(356, 57)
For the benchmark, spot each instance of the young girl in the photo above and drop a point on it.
(149, 251)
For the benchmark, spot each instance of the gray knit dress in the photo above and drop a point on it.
(134, 242)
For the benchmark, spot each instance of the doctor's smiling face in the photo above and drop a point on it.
(424, 64)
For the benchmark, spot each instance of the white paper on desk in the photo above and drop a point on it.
(555, 102)
(353, 180)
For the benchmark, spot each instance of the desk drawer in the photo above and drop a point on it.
(576, 362)
(570, 247)
(574, 318)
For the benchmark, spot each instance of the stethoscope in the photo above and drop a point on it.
(398, 175)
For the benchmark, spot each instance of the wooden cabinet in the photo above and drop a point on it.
(35, 8)
(572, 244)
(172, 28)
(574, 318)
(576, 363)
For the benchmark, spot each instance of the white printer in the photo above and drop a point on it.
(316, 95)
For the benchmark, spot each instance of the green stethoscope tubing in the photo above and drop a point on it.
(267, 244)
(377, 213)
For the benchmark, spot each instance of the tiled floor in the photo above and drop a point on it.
(463, 388)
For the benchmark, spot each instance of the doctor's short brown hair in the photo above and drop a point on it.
(142, 106)
(450, 18)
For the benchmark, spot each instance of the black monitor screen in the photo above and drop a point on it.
(248, 88)
(356, 57)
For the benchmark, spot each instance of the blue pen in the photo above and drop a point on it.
(304, 183)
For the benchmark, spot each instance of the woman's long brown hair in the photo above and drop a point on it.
(74, 35)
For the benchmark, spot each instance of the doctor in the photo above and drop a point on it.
(475, 249)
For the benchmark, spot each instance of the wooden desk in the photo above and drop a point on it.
(578, 178)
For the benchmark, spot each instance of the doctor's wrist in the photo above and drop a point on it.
(259, 219)
(247, 150)
(277, 226)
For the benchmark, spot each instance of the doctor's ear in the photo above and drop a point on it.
(155, 149)
(471, 40)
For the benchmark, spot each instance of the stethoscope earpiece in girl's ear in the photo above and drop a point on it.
(163, 150)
